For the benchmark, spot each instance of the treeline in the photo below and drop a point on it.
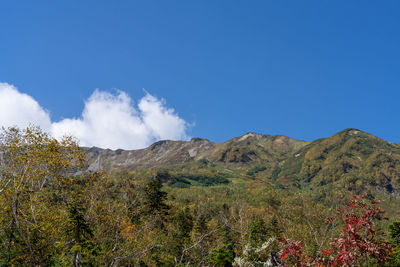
(52, 213)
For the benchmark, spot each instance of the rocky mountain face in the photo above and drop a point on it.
(161, 153)
(350, 159)
(247, 150)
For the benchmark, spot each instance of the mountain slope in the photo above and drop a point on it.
(241, 152)
(351, 158)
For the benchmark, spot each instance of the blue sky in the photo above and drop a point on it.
(305, 69)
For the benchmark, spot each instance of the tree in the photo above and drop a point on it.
(223, 256)
(394, 233)
(183, 224)
(79, 234)
(156, 211)
(154, 199)
(202, 234)
(258, 231)
(359, 241)
(358, 244)
(32, 167)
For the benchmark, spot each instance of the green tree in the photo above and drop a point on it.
(154, 197)
(258, 230)
(394, 232)
(79, 235)
(201, 233)
(156, 213)
(181, 236)
(223, 256)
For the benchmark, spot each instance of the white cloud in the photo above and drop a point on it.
(163, 122)
(107, 121)
(18, 109)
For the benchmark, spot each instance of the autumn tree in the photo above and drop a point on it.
(358, 244)
(359, 241)
(32, 166)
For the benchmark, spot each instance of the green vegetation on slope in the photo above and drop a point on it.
(350, 160)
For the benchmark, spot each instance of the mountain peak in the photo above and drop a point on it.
(351, 131)
(250, 134)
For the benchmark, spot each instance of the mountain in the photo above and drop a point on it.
(350, 159)
(240, 152)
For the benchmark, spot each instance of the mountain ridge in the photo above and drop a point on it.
(168, 152)
(352, 158)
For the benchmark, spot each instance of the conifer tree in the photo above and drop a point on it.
(258, 231)
(181, 236)
(154, 198)
(79, 235)
(394, 233)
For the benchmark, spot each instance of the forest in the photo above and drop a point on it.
(55, 212)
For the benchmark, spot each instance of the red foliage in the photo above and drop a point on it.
(292, 253)
(358, 241)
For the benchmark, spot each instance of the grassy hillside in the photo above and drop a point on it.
(351, 159)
